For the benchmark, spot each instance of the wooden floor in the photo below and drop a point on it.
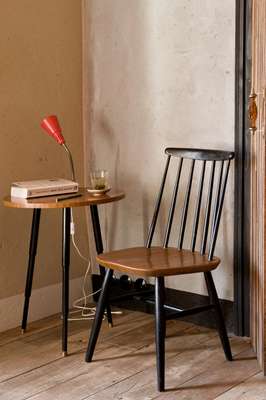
(31, 366)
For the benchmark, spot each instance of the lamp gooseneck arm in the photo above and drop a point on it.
(71, 162)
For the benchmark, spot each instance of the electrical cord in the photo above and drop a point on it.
(81, 305)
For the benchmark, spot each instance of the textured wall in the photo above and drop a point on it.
(161, 73)
(40, 73)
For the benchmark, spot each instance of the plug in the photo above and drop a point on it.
(72, 228)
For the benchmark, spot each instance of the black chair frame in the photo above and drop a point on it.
(212, 217)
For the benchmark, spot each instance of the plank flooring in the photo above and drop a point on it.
(124, 367)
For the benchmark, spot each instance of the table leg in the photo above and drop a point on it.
(31, 262)
(99, 248)
(65, 277)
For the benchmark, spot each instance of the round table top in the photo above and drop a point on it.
(86, 199)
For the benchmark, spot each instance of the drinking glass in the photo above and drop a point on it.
(99, 179)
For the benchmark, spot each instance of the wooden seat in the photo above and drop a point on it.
(163, 261)
(157, 261)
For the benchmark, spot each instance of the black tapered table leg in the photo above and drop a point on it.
(97, 322)
(160, 332)
(65, 277)
(31, 262)
(219, 315)
(99, 248)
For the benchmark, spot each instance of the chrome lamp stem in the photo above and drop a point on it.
(71, 162)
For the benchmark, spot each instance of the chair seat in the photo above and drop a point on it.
(157, 261)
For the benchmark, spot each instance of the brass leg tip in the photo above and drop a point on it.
(23, 331)
(110, 324)
(64, 353)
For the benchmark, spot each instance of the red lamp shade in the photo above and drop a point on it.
(51, 126)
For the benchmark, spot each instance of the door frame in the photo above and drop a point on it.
(242, 169)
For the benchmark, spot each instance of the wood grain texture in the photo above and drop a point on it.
(157, 261)
(50, 202)
(258, 184)
(125, 363)
(252, 388)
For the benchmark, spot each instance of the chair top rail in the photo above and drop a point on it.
(200, 154)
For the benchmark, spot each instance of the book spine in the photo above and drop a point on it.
(26, 193)
(56, 190)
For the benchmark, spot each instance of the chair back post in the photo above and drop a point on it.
(218, 215)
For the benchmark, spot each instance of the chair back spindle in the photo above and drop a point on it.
(198, 207)
(185, 208)
(218, 192)
(173, 204)
(158, 204)
(208, 211)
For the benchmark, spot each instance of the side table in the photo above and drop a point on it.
(37, 204)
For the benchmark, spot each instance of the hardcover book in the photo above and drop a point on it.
(43, 187)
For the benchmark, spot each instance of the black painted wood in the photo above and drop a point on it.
(143, 300)
(242, 169)
(219, 315)
(218, 194)
(176, 312)
(218, 213)
(157, 206)
(31, 263)
(207, 211)
(185, 207)
(97, 322)
(200, 154)
(195, 157)
(65, 276)
(160, 331)
(173, 205)
(99, 249)
(198, 208)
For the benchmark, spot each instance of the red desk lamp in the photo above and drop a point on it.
(51, 126)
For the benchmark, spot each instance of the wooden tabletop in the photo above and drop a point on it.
(50, 201)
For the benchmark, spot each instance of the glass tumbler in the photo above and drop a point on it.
(99, 179)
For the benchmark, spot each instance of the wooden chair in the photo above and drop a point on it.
(163, 261)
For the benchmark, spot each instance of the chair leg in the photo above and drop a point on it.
(99, 248)
(160, 332)
(101, 305)
(219, 315)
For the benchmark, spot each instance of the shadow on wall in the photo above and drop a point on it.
(119, 102)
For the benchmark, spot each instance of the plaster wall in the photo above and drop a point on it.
(40, 74)
(159, 73)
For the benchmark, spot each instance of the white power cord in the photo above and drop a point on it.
(80, 305)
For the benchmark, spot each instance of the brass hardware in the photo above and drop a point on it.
(252, 111)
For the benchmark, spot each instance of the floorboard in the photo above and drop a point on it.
(124, 366)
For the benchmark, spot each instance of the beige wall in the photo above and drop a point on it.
(160, 73)
(40, 73)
